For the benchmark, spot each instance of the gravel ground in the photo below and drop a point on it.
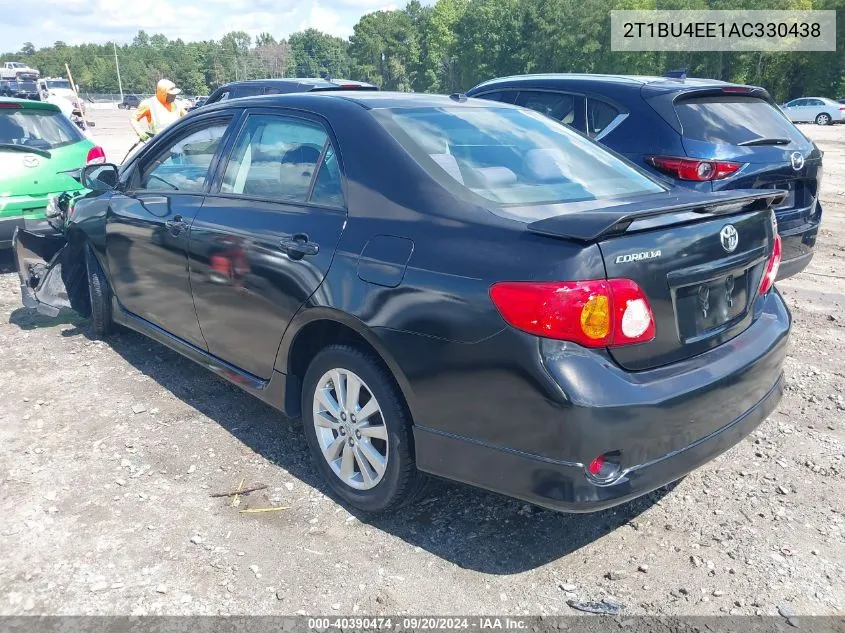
(109, 452)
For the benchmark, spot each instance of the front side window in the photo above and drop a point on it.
(275, 157)
(184, 166)
(511, 156)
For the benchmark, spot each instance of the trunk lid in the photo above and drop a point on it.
(702, 293)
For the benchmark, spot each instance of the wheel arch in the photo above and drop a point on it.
(318, 328)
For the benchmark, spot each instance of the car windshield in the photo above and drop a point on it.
(62, 84)
(512, 156)
(732, 120)
(41, 129)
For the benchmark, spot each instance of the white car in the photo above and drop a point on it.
(820, 110)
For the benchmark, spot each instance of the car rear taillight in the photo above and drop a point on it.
(96, 156)
(600, 313)
(772, 267)
(738, 89)
(10, 106)
(693, 169)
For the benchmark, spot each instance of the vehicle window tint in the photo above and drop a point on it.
(184, 165)
(505, 96)
(327, 187)
(599, 115)
(731, 120)
(275, 157)
(40, 129)
(272, 90)
(816, 102)
(511, 156)
(556, 105)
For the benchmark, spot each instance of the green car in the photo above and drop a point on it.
(37, 144)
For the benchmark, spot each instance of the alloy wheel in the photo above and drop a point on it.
(350, 429)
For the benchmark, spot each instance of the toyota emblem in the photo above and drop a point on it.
(31, 160)
(729, 237)
(797, 161)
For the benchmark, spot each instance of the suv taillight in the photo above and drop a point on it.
(600, 313)
(693, 169)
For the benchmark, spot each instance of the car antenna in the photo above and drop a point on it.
(458, 96)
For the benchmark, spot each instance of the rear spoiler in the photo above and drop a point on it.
(589, 225)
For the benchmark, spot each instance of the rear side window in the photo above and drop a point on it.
(560, 106)
(731, 120)
(41, 129)
(275, 157)
(511, 156)
(600, 115)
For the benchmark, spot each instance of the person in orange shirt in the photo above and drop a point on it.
(158, 111)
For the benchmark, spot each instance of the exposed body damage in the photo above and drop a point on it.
(53, 268)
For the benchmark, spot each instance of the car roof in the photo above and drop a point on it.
(29, 104)
(654, 83)
(367, 100)
(313, 82)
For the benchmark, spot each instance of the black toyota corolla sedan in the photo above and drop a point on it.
(437, 285)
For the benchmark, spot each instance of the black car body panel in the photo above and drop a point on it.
(258, 87)
(250, 286)
(640, 119)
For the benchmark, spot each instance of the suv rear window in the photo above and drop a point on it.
(511, 156)
(41, 129)
(731, 120)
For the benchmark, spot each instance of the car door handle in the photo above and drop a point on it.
(176, 225)
(298, 246)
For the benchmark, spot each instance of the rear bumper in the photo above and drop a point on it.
(798, 243)
(564, 486)
(661, 423)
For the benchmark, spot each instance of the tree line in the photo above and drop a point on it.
(446, 47)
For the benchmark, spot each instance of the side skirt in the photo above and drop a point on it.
(271, 391)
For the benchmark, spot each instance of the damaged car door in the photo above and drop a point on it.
(148, 225)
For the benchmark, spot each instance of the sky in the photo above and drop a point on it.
(43, 22)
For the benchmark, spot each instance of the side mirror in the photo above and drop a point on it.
(104, 177)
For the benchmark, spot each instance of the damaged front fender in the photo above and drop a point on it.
(53, 273)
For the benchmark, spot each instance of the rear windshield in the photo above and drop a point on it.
(41, 129)
(62, 84)
(512, 156)
(731, 120)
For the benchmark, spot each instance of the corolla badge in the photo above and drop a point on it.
(797, 161)
(31, 160)
(729, 237)
(638, 257)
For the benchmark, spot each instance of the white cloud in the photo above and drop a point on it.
(43, 22)
(325, 20)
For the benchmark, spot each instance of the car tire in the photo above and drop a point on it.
(386, 432)
(824, 119)
(100, 293)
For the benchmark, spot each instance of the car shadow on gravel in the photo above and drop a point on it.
(471, 528)
(27, 319)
